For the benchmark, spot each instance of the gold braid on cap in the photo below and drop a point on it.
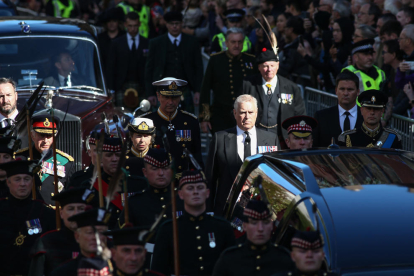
(270, 35)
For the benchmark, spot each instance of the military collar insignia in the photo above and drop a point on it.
(165, 117)
(159, 191)
(140, 154)
(193, 218)
(255, 247)
(369, 132)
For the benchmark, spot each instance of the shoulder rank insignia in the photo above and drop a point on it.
(341, 136)
(390, 130)
(218, 53)
(188, 113)
(21, 150)
(64, 154)
(247, 54)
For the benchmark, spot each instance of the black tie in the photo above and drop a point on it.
(347, 122)
(176, 42)
(134, 46)
(247, 150)
(65, 82)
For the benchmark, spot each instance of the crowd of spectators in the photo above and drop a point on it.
(315, 37)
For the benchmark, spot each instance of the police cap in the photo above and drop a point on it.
(234, 15)
(363, 46)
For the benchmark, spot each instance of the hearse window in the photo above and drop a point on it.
(8, 49)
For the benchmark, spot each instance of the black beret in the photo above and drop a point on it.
(266, 55)
(372, 98)
(74, 195)
(91, 218)
(173, 16)
(128, 235)
(256, 209)
(20, 167)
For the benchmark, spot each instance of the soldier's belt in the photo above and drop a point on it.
(262, 125)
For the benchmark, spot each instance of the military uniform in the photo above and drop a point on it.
(66, 167)
(52, 249)
(18, 217)
(224, 75)
(299, 273)
(69, 268)
(364, 137)
(183, 131)
(251, 259)
(202, 239)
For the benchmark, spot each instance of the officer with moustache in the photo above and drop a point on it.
(58, 246)
(202, 236)
(182, 128)
(22, 220)
(371, 134)
(299, 129)
(42, 136)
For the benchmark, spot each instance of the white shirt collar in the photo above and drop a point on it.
(174, 38)
(353, 111)
(13, 115)
(129, 39)
(273, 83)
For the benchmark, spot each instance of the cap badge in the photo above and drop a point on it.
(143, 126)
(46, 123)
(373, 99)
(302, 123)
(173, 85)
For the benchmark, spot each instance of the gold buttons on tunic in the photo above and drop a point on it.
(179, 167)
(201, 268)
(232, 92)
(197, 227)
(52, 194)
(127, 167)
(258, 257)
(161, 198)
(183, 145)
(199, 247)
(234, 98)
(185, 123)
(127, 157)
(231, 76)
(198, 237)
(182, 156)
(164, 216)
(201, 258)
(258, 268)
(163, 206)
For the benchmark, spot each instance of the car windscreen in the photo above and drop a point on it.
(358, 169)
(58, 61)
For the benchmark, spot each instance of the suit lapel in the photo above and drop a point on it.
(260, 139)
(259, 90)
(359, 119)
(230, 143)
(335, 121)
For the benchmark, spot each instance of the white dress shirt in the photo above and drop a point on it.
(241, 136)
(174, 38)
(273, 83)
(352, 118)
(3, 121)
(130, 41)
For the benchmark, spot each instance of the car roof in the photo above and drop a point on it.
(372, 224)
(12, 26)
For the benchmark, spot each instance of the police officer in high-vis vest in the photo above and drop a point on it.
(234, 19)
(62, 8)
(370, 76)
(144, 12)
(371, 134)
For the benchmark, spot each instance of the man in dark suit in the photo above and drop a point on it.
(278, 97)
(63, 72)
(126, 72)
(230, 147)
(344, 116)
(174, 55)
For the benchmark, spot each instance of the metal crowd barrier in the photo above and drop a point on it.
(316, 99)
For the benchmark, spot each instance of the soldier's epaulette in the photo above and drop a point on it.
(138, 193)
(64, 154)
(48, 232)
(4, 198)
(218, 53)
(247, 54)
(281, 248)
(232, 248)
(342, 136)
(145, 114)
(218, 218)
(21, 150)
(390, 130)
(190, 114)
